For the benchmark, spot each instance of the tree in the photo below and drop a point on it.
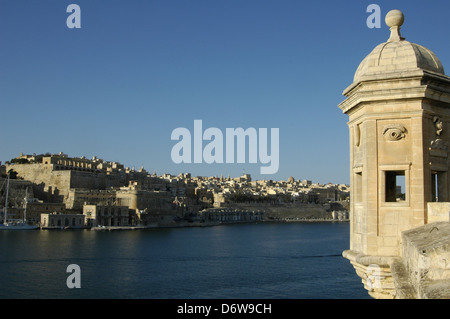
(12, 174)
(19, 161)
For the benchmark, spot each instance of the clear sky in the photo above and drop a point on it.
(136, 70)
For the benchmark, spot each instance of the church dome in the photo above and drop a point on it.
(397, 54)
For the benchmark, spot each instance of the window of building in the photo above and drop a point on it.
(395, 187)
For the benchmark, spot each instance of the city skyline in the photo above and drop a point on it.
(116, 166)
(117, 87)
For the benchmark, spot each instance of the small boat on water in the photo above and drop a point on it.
(17, 224)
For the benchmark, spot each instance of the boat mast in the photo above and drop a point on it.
(26, 202)
(6, 203)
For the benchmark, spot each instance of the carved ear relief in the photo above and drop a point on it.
(439, 125)
(357, 135)
(394, 132)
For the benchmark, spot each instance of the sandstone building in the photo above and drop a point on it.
(110, 215)
(61, 221)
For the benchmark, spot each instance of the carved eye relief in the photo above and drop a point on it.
(394, 132)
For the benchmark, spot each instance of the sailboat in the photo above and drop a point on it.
(16, 225)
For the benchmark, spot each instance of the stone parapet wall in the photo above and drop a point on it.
(426, 257)
(438, 212)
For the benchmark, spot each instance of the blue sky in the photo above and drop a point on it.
(136, 70)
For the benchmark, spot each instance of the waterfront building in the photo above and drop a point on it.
(62, 221)
(340, 215)
(34, 211)
(230, 215)
(77, 197)
(106, 215)
(399, 113)
(149, 206)
(36, 208)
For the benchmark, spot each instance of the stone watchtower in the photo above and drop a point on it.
(399, 109)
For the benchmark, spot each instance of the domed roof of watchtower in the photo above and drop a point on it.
(397, 54)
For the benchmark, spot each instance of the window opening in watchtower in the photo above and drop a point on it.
(437, 187)
(358, 187)
(395, 186)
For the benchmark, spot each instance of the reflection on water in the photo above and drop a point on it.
(298, 260)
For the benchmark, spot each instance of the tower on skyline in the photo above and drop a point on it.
(399, 108)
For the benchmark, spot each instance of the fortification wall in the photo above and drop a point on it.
(17, 191)
(53, 185)
(50, 186)
(81, 179)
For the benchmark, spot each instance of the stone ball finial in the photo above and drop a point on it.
(394, 18)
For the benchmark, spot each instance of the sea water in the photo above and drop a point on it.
(256, 261)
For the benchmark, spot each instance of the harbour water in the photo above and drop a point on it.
(256, 261)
